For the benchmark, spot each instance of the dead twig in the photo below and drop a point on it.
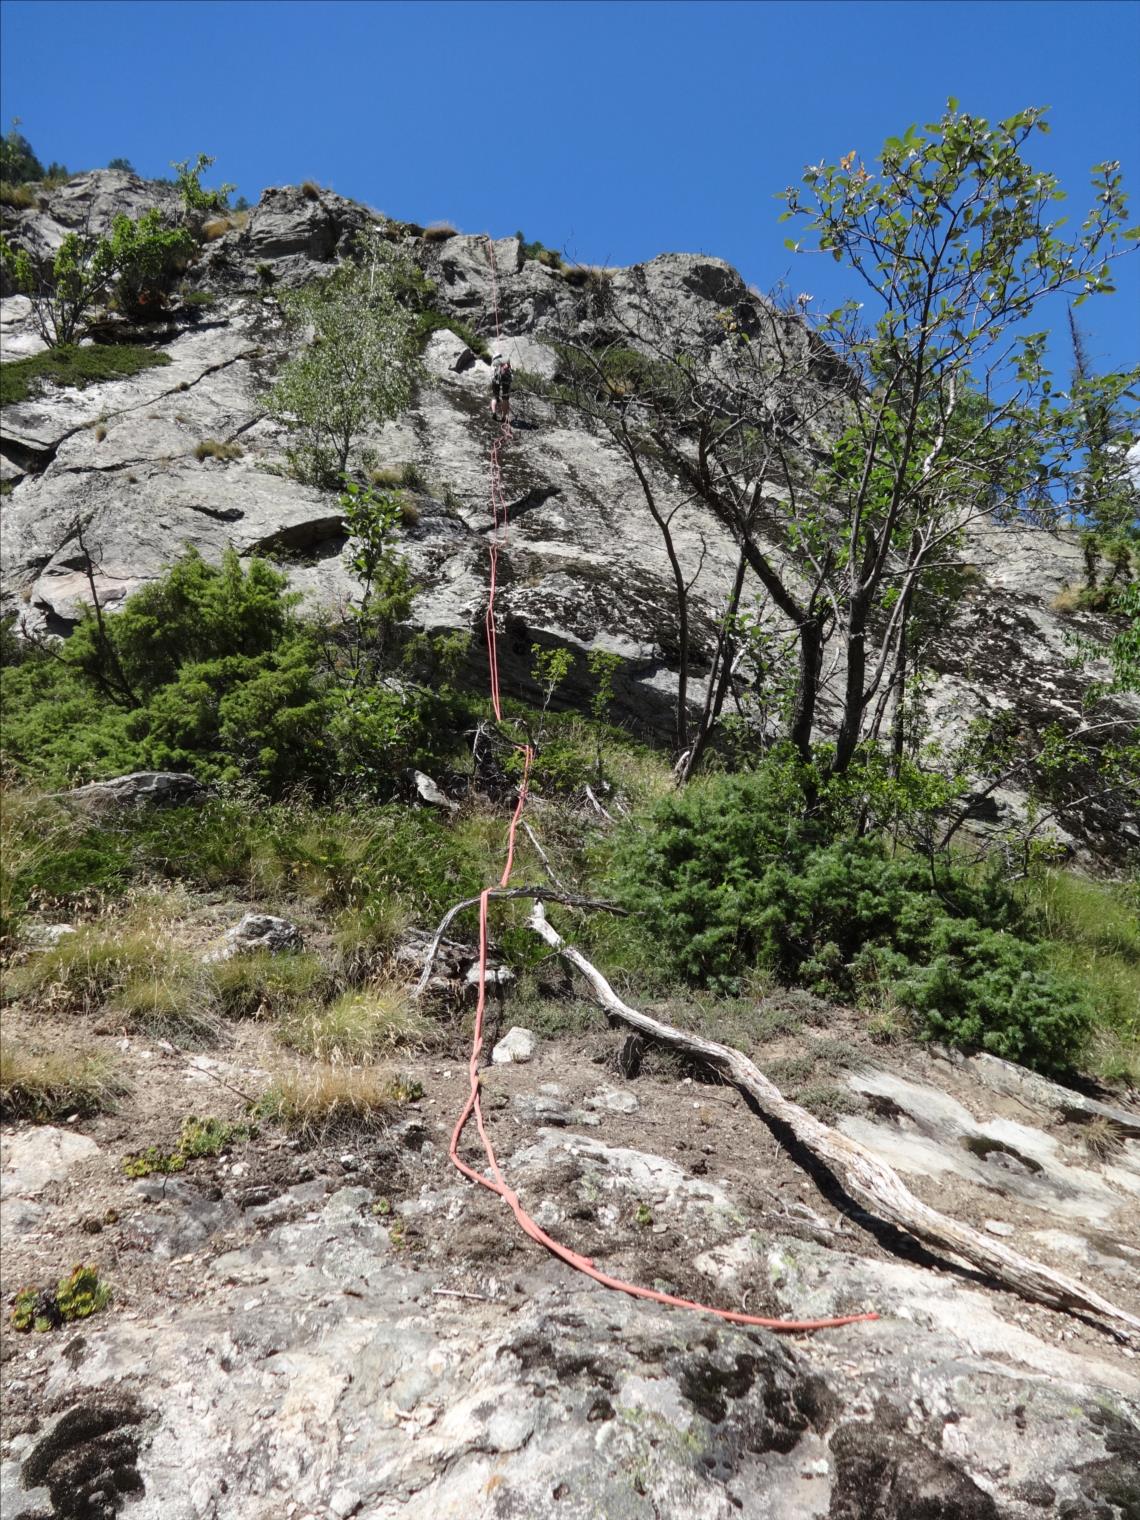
(863, 1173)
(542, 855)
(540, 894)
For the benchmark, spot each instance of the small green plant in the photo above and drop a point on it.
(199, 1138)
(539, 251)
(643, 1215)
(77, 1296)
(153, 1161)
(549, 671)
(195, 198)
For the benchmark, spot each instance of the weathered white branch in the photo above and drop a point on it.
(862, 1173)
(571, 900)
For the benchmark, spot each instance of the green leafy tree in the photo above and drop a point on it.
(847, 457)
(372, 519)
(358, 363)
(195, 197)
(147, 255)
(1107, 499)
(135, 264)
(18, 162)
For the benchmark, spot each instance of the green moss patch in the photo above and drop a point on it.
(78, 367)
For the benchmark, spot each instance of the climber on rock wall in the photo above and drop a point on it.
(501, 387)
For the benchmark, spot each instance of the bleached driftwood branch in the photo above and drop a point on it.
(863, 1174)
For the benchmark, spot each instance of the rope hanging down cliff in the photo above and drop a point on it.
(472, 1108)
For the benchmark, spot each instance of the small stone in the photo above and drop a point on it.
(516, 1045)
(998, 1227)
(614, 1100)
(497, 976)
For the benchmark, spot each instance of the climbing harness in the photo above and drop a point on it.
(496, 1183)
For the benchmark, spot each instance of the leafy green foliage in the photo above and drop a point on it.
(71, 366)
(76, 1296)
(195, 198)
(726, 877)
(148, 256)
(205, 669)
(18, 161)
(136, 264)
(539, 251)
(983, 989)
(199, 1138)
(356, 370)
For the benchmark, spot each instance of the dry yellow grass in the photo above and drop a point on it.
(378, 1020)
(315, 1101)
(37, 1083)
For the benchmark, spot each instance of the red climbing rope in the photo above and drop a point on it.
(496, 1183)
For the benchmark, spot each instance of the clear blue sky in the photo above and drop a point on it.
(613, 131)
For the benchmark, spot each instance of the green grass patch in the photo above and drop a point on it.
(75, 367)
(374, 1021)
(84, 970)
(1091, 933)
(270, 986)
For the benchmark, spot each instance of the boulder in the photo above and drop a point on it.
(138, 789)
(259, 932)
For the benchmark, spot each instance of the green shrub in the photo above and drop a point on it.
(539, 251)
(991, 991)
(76, 367)
(695, 869)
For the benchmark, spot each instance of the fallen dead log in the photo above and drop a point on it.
(863, 1174)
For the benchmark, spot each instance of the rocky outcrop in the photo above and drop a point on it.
(585, 567)
(139, 789)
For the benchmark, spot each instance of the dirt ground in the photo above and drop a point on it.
(100, 1216)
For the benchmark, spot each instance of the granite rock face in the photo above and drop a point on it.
(585, 568)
